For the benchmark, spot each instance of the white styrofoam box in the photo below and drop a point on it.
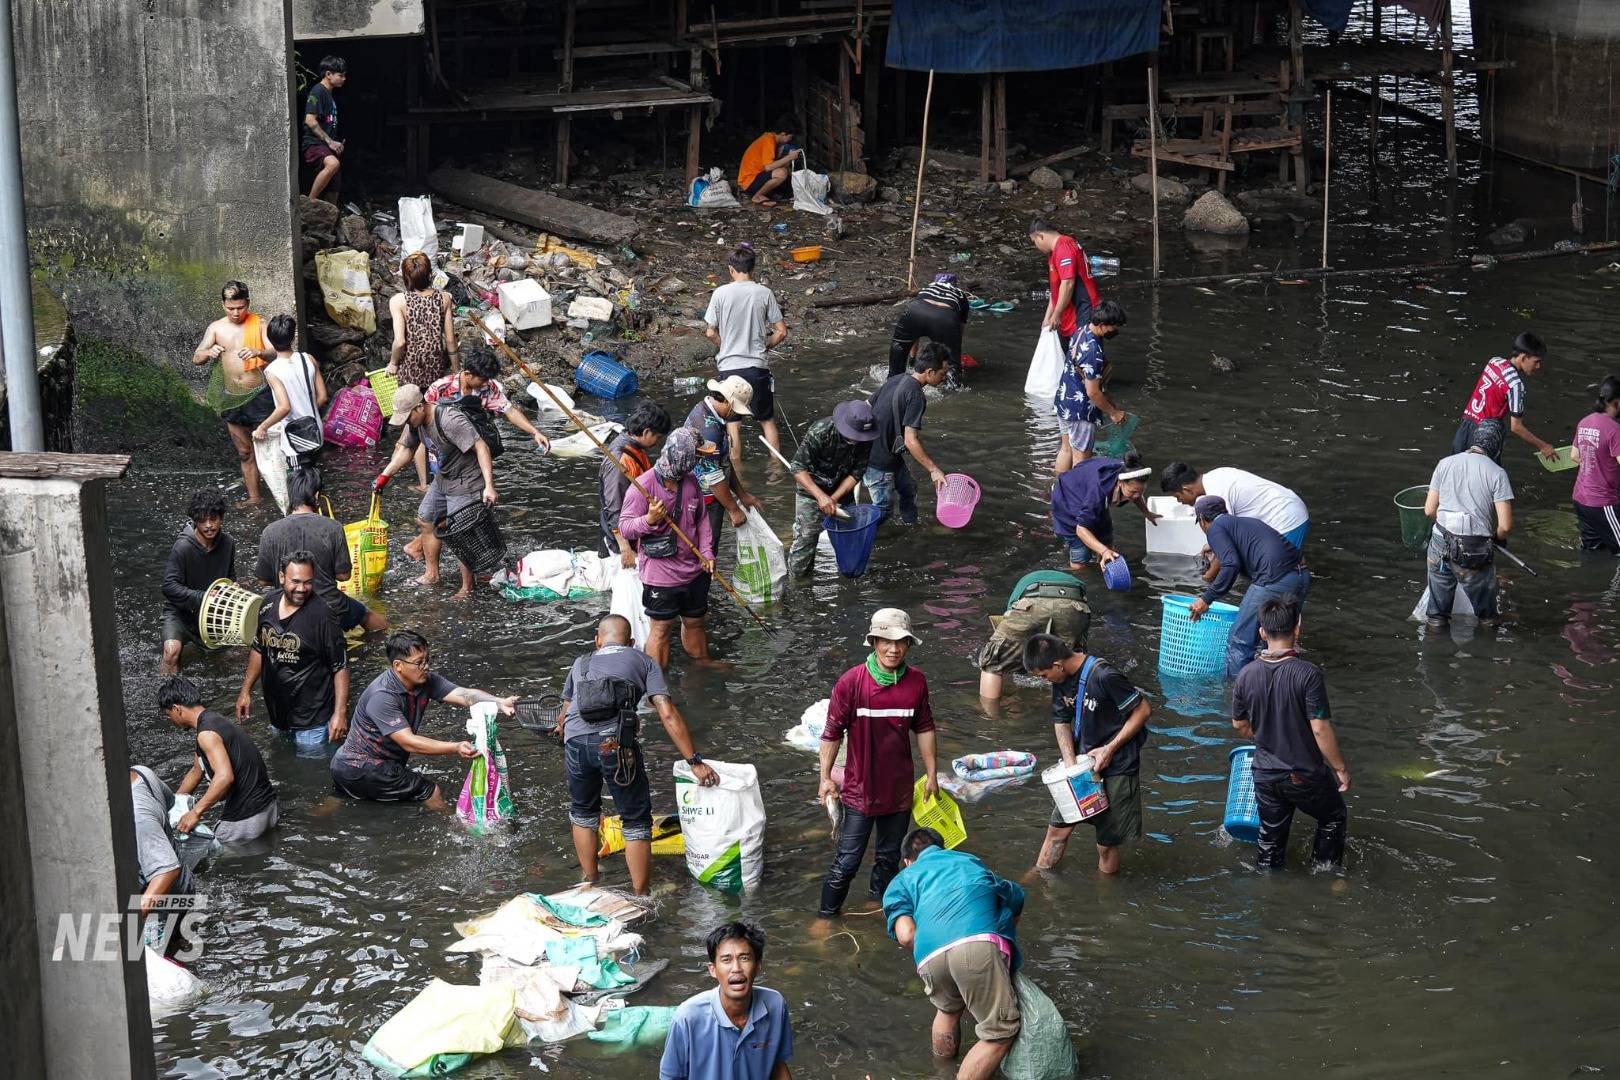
(471, 238)
(1177, 532)
(595, 308)
(524, 304)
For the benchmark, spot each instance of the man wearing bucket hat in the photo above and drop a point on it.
(1250, 547)
(876, 706)
(1096, 711)
(1471, 502)
(713, 419)
(829, 463)
(466, 470)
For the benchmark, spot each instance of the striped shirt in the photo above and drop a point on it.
(877, 723)
(941, 292)
(1499, 392)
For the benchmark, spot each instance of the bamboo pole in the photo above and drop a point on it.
(1153, 152)
(1327, 172)
(922, 160)
(534, 377)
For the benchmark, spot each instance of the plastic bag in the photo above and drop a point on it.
(761, 561)
(639, 1025)
(272, 464)
(345, 279)
(724, 826)
(1460, 605)
(442, 1029)
(1042, 1050)
(368, 552)
(168, 985)
(1046, 366)
(355, 419)
(810, 191)
(711, 192)
(627, 602)
(579, 444)
(485, 800)
(416, 229)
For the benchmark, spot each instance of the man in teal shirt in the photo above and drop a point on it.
(960, 921)
(737, 1031)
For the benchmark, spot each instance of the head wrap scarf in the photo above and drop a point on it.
(1488, 438)
(679, 456)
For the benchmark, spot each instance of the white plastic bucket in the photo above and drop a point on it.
(1077, 794)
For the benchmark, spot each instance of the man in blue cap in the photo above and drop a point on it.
(829, 462)
(1250, 547)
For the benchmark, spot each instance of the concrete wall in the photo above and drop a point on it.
(323, 19)
(1561, 100)
(157, 160)
(22, 1028)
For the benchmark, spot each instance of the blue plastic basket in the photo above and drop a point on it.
(1194, 648)
(1117, 574)
(601, 375)
(852, 538)
(1242, 821)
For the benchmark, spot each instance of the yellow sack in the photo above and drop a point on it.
(666, 835)
(368, 552)
(345, 279)
(444, 1027)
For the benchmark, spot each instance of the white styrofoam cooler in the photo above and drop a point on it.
(1177, 532)
(524, 304)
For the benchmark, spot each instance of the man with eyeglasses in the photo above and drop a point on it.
(371, 764)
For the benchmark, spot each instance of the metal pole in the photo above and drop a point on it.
(16, 298)
(1153, 152)
(1327, 172)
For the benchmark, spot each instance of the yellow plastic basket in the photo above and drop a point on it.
(939, 813)
(229, 615)
(368, 552)
(667, 838)
(383, 384)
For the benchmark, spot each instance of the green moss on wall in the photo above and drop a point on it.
(124, 402)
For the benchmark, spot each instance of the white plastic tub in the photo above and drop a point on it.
(1177, 532)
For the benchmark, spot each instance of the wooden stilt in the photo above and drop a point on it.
(694, 143)
(1448, 92)
(1327, 172)
(564, 124)
(984, 128)
(916, 205)
(1153, 152)
(846, 110)
(871, 66)
(1000, 164)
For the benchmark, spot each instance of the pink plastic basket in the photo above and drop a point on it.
(954, 506)
(354, 418)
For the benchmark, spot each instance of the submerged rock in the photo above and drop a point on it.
(1212, 213)
(1046, 179)
(1169, 188)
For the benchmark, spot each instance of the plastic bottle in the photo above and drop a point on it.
(689, 384)
(1103, 264)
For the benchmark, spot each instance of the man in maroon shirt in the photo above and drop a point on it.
(1066, 264)
(876, 705)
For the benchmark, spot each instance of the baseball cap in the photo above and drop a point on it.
(1209, 507)
(891, 624)
(406, 398)
(735, 389)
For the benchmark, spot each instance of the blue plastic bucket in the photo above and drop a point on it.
(601, 375)
(852, 538)
(1117, 574)
(1196, 649)
(1242, 820)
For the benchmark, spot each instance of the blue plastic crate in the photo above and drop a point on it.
(601, 375)
(1242, 820)
(1194, 648)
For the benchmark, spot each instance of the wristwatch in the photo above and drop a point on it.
(695, 759)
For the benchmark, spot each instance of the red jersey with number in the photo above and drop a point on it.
(1499, 392)
(1067, 262)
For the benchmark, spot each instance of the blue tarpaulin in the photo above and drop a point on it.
(983, 36)
(1333, 14)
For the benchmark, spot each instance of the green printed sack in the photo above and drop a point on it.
(761, 561)
(724, 826)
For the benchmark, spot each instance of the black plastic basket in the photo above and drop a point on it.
(541, 714)
(472, 534)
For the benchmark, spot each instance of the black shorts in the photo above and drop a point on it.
(181, 628)
(665, 602)
(760, 180)
(764, 383)
(1600, 527)
(252, 412)
(383, 781)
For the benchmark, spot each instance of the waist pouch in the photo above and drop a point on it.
(661, 546)
(1466, 552)
(603, 702)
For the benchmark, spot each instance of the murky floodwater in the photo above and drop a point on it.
(1473, 928)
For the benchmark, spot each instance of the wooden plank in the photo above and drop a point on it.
(1052, 159)
(945, 159)
(529, 207)
(1203, 161)
(80, 467)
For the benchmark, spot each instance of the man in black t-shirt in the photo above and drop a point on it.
(238, 782)
(898, 407)
(303, 660)
(1095, 711)
(1281, 703)
(319, 138)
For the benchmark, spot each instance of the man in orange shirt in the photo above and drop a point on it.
(762, 170)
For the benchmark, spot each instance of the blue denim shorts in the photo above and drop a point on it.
(589, 770)
(310, 742)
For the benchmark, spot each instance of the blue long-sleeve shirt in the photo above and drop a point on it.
(1251, 547)
(1082, 496)
(952, 895)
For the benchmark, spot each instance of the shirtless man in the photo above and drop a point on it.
(237, 342)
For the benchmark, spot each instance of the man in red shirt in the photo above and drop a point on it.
(1065, 263)
(1499, 395)
(876, 706)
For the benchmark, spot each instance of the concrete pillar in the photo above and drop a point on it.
(22, 1029)
(65, 716)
